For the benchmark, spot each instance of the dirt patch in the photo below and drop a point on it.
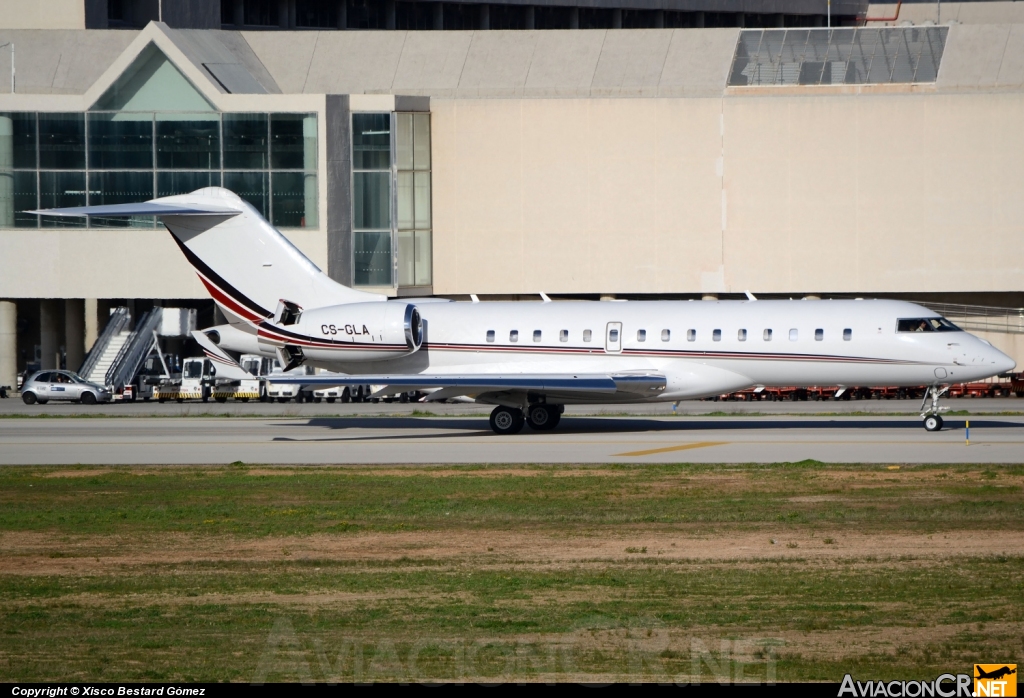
(78, 473)
(37, 553)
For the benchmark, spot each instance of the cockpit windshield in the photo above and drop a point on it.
(926, 324)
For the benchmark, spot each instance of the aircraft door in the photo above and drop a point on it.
(613, 338)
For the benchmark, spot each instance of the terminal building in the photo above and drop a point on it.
(635, 150)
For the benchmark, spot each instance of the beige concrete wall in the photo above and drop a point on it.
(42, 14)
(867, 194)
(69, 263)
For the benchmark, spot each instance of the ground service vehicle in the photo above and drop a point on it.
(196, 382)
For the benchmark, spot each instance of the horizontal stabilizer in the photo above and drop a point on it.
(145, 208)
(589, 383)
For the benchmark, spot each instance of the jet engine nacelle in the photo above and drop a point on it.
(348, 332)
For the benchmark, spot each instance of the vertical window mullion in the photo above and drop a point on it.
(39, 195)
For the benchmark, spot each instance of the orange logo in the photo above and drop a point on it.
(995, 680)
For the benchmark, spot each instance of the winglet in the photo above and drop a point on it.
(750, 296)
(544, 297)
(227, 367)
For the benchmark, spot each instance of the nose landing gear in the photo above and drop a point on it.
(932, 414)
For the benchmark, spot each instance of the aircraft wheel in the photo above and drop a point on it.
(543, 417)
(219, 398)
(933, 422)
(331, 399)
(283, 400)
(507, 420)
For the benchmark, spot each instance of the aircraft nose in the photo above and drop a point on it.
(1001, 362)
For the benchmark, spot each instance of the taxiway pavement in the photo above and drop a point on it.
(467, 439)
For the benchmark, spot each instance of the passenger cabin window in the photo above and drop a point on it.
(613, 336)
(716, 336)
(586, 335)
(641, 335)
(536, 335)
(847, 334)
(767, 335)
(741, 335)
(513, 336)
(794, 335)
(819, 334)
(926, 324)
(666, 335)
(563, 336)
(490, 335)
(691, 335)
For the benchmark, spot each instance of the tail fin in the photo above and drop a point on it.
(246, 264)
(250, 269)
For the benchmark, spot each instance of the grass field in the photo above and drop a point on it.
(662, 573)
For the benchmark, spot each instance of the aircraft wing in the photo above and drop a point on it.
(146, 208)
(637, 384)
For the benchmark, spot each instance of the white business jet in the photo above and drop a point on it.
(530, 359)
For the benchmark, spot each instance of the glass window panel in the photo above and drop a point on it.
(403, 141)
(767, 335)
(172, 183)
(422, 141)
(406, 258)
(245, 141)
(250, 186)
(587, 335)
(371, 193)
(424, 264)
(371, 258)
(422, 199)
(25, 199)
(19, 129)
(716, 336)
(290, 201)
(62, 142)
(120, 141)
(312, 197)
(819, 334)
(60, 190)
(641, 335)
(287, 141)
(794, 335)
(490, 335)
(187, 142)
(666, 335)
(17, 194)
(120, 188)
(691, 335)
(563, 335)
(513, 336)
(371, 141)
(316, 13)
(537, 335)
(741, 335)
(405, 201)
(847, 334)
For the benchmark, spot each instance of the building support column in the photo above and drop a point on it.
(9, 344)
(92, 323)
(49, 315)
(74, 332)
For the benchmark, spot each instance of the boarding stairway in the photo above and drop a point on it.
(120, 351)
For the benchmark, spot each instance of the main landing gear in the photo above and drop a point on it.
(932, 415)
(540, 416)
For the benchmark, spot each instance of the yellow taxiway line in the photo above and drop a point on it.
(684, 447)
